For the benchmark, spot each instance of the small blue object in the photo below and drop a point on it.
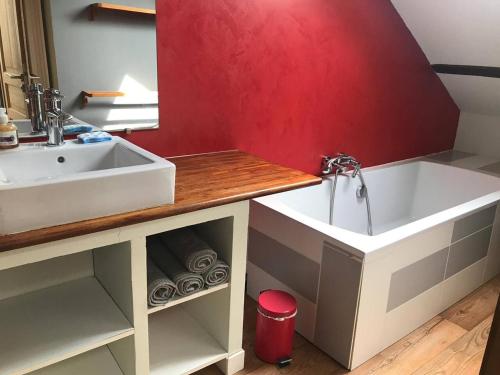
(77, 129)
(94, 137)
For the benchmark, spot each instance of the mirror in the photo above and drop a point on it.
(101, 56)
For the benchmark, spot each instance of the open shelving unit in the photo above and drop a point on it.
(179, 344)
(70, 311)
(79, 306)
(192, 332)
(73, 317)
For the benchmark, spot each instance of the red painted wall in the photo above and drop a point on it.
(290, 80)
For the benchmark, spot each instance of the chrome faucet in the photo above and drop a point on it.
(34, 99)
(45, 112)
(341, 163)
(33, 96)
(54, 117)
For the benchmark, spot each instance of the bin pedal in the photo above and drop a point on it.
(284, 362)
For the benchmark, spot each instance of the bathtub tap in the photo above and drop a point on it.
(340, 165)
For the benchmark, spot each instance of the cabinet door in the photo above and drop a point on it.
(12, 65)
(22, 51)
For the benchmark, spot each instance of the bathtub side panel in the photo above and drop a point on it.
(275, 243)
(286, 231)
(285, 264)
(373, 324)
(337, 303)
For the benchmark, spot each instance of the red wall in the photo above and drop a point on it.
(290, 80)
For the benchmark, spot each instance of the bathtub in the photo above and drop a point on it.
(436, 238)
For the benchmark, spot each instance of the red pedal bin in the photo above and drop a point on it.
(275, 326)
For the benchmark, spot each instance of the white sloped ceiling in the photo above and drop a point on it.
(459, 32)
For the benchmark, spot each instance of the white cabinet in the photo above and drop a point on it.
(79, 305)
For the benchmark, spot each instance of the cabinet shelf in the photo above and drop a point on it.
(178, 300)
(178, 344)
(53, 324)
(118, 8)
(99, 361)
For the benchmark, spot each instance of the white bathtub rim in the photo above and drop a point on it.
(368, 245)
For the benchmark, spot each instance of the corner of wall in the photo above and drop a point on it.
(478, 134)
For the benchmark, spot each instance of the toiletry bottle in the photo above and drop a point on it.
(8, 132)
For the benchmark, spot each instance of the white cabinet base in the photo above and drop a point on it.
(180, 339)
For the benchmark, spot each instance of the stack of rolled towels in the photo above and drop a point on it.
(181, 263)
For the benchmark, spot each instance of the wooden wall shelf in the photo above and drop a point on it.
(118, 8)
(99, 94)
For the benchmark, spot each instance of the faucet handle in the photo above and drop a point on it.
(52, 100)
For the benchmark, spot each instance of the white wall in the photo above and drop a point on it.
(463, 32)
(479, 134)
(474, 94)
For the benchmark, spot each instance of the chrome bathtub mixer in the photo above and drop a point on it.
(340, 165)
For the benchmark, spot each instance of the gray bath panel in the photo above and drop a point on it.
(412, 280)
(473, 223)
(286, 265)
(468, 251)
(337, 303)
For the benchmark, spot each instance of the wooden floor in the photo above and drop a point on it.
(452, 343)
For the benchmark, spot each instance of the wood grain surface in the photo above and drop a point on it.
(202, 181)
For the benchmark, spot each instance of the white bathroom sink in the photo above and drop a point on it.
(44, 186)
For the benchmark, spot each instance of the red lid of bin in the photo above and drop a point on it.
(277, 304)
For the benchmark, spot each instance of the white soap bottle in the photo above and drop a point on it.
(8, 132)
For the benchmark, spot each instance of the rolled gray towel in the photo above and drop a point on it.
(217, 274)
(190, 249)
(160, 288)
(186, 282)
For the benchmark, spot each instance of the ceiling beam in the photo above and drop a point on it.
(468, 70)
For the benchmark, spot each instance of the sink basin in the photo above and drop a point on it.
(44, 186)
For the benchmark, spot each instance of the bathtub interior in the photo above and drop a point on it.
(398, 195)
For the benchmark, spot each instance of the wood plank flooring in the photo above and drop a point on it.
(451, 343)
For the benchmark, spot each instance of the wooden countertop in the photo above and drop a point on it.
(202, 181)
